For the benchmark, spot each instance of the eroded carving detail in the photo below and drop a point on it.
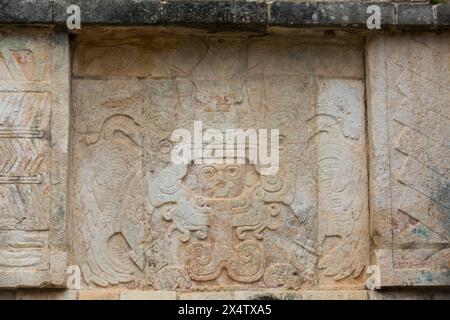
(32, 158)
(218, 226)
(411, 148)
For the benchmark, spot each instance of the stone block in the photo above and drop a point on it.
(99, 294)
(409, 138)
(46, 294)
(7, 295)
(218, 295)
(217, 14)
(322, 14)
(443, 15)
(148, 295)
(410, 15)
(110, 12)
(34, 121)
(26, 11)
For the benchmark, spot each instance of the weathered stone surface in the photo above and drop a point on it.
(221, 14)
(256, 15)
(301, 14)
(148, 223)
(43, 294)
(223, 295)
(443, 14)
(25, 11)
(148, 295)
(7, 295)
(34, 119)
(106, 294)
(409, 295)
(142, 12)
(410, 15)
(410, 139)
(303, 295)
(109, 294)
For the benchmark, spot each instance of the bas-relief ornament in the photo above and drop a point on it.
(140, 218)
(224, 217)
(342, 180)
(414, 210)
(108, 181)
(32, 251)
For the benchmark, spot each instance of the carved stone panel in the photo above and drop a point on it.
(34, 85)
(409, 123)
(141, 221)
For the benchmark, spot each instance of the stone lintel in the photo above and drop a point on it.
(229, 14)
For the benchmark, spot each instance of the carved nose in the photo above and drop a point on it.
(220, 184)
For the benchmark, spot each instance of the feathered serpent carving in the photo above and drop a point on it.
(111, 187)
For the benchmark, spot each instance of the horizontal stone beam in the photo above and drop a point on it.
(228, 14)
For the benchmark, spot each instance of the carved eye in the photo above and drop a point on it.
(233, 171)
(208, 172)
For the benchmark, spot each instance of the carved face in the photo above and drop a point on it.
(220, 180)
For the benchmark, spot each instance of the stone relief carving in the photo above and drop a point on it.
(142, 221)
(224, 214)
(416, 184)
(29, 198)
(340, 143)
(109, 182)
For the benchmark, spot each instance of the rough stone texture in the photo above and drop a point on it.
(293, 14)
(98, 294)
(409, 295)
(142, 12)
(7, 295)
(148, 295)
(34, 87)
(415, 17)
(303, 295)
(230, 14)
(25, 11)
(222, 14)
(144, 222)
(107, 294)
(42, 294)
(443, 14)
(409, 130)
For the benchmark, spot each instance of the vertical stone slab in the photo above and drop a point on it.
(409, 131)
(343, 213)
(34, 120)
(109, 212)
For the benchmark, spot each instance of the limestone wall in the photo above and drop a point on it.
(86, 177)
